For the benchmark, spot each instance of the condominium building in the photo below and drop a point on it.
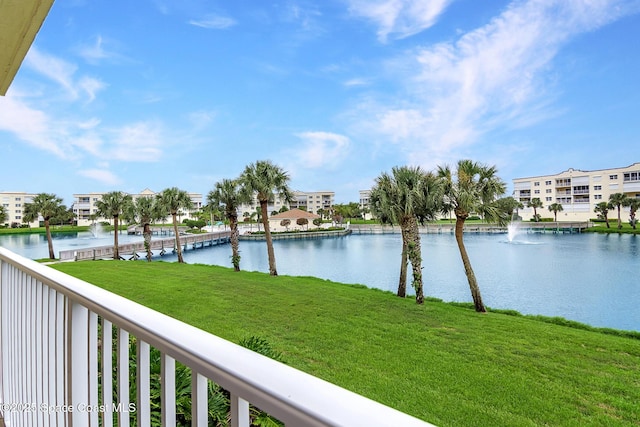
(313, 202)
(13, 204)
(365, 200)
(577, 191)
(84, 205)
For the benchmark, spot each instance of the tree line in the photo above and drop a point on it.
(407, 196)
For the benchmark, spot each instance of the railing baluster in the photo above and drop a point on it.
(93, 369)
(143, 378)
(78, 364)
(239, 412)
(123, 378)
(168, 389)
(61, 357)
(22, 362)
(51, 354)
(40, 341)
(4, 336)
(199, 404)
(107, 373)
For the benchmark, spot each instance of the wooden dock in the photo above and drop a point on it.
(132, 250)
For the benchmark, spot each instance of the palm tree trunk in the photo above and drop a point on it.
(49, 240)
(267, 234)
(235, 252)
(414, 253)
(146, 232)
(619, 219)
(402, 282)
(116, 252)
(471, 277)
(175, 233)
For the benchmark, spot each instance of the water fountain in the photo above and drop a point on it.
(513, 230)
(96, 229)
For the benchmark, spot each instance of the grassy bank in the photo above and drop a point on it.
(440, 362)
(42, 230)
(601, 227)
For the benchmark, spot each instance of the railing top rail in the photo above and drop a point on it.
(287, 393)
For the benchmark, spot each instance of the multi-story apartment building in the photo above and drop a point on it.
(84, 205)
(577, 191)
(13, 204)
(365, 199)
(312, 202)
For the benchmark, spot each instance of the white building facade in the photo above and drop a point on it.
(13, 203)
(577, 191)
(84, 205)
(312, 202)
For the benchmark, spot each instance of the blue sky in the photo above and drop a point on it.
(125, 95)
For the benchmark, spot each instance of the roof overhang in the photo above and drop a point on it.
(20, 21)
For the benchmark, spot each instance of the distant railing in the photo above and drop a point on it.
(58, 335)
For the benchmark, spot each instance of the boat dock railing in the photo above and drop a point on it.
(131, 249)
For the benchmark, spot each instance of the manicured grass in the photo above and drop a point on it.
(42, 230)
(443, 363)
(601, 227)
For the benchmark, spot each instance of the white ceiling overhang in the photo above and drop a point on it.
(20, 21)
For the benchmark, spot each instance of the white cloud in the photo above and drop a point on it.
(201, 119)
(137, 142)
(94, 53)
(53, 68)
(215, 22)
(401, 18)
(496, 76)
(62, 73)
(321, 149)
(357, 82)
(34, 127)
(101, 175)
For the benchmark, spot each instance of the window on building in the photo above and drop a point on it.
(536, 184)
(631, 176)
(548, 191)
(536, 192)
(547, 183)
(597, 187)
(598, 197)
(18, 199)
(612, 177)
(548, 199)
(18, 205)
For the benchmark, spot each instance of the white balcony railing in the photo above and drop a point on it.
(65, 361)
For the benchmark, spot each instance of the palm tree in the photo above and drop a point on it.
(266, 181)
(227, 197)
(113, 205)
(403, 197)
(471, 187)
(602, 209)
(617, 200)
(47, 206)
(535, 203)
(555, 208)
(4, 215)
(171, 200)
(633, 204)
(509, 206)
(145, 211)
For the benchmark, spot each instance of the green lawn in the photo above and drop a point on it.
(445, 364)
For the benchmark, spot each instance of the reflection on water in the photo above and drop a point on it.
(584, 277)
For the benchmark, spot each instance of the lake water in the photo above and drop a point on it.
(589, 278)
